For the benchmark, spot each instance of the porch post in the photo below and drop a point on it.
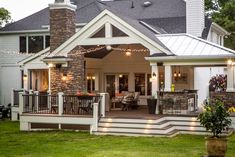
(60, 106)
(168, 77)
(155, 80)
(36, 100)
(21, 103)
(230, 78)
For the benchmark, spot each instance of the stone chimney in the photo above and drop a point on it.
(195, 17)
(62, 22)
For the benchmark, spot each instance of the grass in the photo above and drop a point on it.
(14, 143)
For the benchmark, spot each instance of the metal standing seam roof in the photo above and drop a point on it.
(188, 45)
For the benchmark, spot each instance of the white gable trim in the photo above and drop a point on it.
(97, 22)
(34, 56)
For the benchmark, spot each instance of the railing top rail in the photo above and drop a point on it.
(40, 95)
(18, 90)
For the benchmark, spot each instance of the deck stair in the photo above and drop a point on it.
(165, 126)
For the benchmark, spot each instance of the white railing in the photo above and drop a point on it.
(29, 106)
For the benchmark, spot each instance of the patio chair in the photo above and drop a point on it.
(130, 101)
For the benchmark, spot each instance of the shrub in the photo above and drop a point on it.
(215, 118)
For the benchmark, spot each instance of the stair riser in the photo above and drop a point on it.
(148, 131)
(143, 121)
(149, 126)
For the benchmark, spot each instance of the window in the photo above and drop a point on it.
(23, 44)
(90, 83)
(35, 43)
(140, 83)
(149, 84)
(47, 41)
(22, 78)
(123, 83)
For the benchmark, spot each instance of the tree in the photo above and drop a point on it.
(5, 16)
(223, 13)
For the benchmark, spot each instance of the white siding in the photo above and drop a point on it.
(195, 17)
(9, 43)
(202, 77)
(10, 78)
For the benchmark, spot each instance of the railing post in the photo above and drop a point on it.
(36, 100)
(60, 105)
(49, 101)
(12, 97)
(95, 117)
(30, 100)
(21, 103)
(104, 103)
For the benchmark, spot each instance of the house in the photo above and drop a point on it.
(113, 46)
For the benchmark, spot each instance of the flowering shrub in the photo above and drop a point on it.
(218, 83)
(231, 109)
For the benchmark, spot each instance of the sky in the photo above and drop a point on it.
(23, 8)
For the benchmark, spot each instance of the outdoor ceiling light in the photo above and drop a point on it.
(108, 47)
(93, 77)
(128, 53)
(179, 74)
(175, 74)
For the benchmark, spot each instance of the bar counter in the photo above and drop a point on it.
(186, 100)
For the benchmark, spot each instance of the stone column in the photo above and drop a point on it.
(168, 77)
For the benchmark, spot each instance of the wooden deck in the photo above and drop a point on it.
(141, 113)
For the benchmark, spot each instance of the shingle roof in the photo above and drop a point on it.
(208, 23)
(170, 25)
(88, 9)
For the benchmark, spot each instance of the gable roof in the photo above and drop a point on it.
(132, 25)
(188, 45)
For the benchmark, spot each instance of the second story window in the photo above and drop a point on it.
(33, 44)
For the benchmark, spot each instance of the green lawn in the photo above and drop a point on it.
(66, 143)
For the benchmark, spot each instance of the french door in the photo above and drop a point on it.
(116, 83)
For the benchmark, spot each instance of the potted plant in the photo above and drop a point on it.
(151, 102)
(216, 119)
(218, 83)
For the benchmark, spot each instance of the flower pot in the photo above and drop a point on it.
(151, 105)
(216, 147)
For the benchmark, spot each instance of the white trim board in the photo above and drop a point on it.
(100, 20)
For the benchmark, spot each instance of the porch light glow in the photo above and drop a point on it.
(229, 62)
(120, 76)
(25, 77)
(50, 65)
(64, 77)
(179, 74)
(128, 52)
(175, 74)
(93, 77)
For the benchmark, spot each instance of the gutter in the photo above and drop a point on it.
(190, 58)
